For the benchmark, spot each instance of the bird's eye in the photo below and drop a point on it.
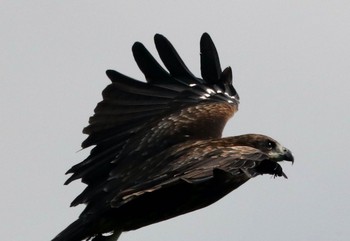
(271, 145)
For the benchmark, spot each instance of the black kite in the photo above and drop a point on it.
(158, 151)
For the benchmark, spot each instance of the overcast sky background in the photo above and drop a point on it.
(291, 61)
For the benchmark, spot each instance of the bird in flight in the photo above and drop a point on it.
(158, 148)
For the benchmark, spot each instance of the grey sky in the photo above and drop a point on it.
(291, 61)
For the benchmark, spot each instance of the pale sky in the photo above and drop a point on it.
(291, 61)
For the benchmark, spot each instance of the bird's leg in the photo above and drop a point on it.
(271, 167)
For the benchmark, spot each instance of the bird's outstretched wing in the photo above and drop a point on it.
(193, 162)
(195, 175)
(136, 120)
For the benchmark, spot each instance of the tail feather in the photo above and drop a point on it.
(76, 231)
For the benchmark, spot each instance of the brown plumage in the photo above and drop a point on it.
(158, 148)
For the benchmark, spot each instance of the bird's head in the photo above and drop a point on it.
(274, 151)
(267, 145)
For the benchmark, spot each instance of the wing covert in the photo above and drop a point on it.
(194, 163)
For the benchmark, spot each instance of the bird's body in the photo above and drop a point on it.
(158, 148)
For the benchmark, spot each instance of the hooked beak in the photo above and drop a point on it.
(287, 155)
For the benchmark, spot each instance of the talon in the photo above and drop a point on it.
(284, 175)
